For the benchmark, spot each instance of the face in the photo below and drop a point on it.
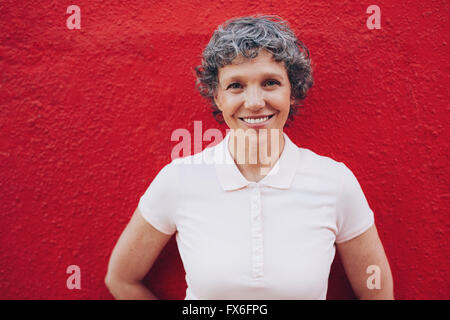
(254, 93)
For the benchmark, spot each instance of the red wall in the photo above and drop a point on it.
(86, 118)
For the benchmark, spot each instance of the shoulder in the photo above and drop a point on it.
(312, 162)
(191, 170)
(336, 173)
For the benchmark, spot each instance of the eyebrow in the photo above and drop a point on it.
(264, 75)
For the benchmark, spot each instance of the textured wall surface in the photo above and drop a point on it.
(86, 117)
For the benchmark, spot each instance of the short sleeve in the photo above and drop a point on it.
(158, 204)
(354, 216)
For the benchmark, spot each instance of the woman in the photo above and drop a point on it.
(255, 216)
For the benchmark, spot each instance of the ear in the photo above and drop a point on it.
(292, 100)
(216, 101)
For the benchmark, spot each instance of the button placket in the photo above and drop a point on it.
(257, 235)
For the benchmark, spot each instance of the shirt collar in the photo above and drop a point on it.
(280, 176)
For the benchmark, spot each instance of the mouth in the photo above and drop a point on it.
(256, 120)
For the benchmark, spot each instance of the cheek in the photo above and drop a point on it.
(282, 102)
(230, 105)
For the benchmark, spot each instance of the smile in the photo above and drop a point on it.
(256, 120)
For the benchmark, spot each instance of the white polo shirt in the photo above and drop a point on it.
(274, 239)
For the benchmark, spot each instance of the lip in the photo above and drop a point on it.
(258, 125)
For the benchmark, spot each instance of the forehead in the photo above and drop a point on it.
(262, 65)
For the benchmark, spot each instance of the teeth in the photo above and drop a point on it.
(255, 120)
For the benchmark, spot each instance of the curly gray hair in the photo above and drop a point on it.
(246, 36)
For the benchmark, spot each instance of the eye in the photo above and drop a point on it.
(272, 82)
(234, 85)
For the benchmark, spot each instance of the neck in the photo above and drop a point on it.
(256, 154)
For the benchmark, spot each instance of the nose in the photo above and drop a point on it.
(254, 98)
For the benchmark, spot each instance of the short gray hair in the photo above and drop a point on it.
(246, 36)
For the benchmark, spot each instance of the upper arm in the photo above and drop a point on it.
(357, 255)
(136, 250)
